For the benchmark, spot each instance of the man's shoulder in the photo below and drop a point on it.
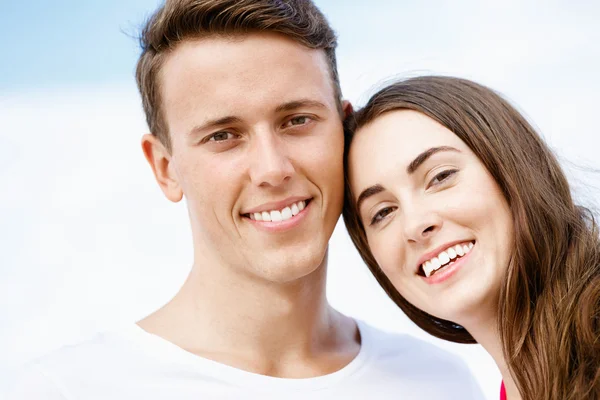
(43, 377)
(100, 346)
(414, 361)
(408, 360)
(407, 348)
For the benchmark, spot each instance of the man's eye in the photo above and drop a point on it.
(221, 136)
(301, 120)
(442, 176)
(381, 214)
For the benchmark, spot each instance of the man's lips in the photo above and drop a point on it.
(279, 222)
(276, 205)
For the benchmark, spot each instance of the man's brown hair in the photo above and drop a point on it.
(179, 20)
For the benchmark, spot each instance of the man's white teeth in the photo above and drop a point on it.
(286, 213)
(276, 216)
(295, 209)
(279, 215)
(445, 257)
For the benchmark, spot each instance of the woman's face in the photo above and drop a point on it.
(435, 219)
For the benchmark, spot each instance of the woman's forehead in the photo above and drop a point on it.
(394, 139)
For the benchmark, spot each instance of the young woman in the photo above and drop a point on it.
(465, 218)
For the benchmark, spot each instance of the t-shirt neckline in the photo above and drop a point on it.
(168, 352)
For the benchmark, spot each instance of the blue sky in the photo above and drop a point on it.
(48, 44)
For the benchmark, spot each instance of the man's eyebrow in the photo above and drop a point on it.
(294, 105)
(368, 192)
(421, 158)
(289, 106)
(214, 123)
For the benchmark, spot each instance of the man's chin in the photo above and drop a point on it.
(288, 268)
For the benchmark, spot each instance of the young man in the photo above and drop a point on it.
(244, 105)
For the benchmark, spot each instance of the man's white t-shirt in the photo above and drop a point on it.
(131, 364)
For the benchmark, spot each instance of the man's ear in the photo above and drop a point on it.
(160, 161)
(347, 108)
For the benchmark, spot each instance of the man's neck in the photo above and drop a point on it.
(284, 330)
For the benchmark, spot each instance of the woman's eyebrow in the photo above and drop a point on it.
(421, 158)
(368, 192)
(412, 167)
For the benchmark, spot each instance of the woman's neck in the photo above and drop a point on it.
(485, 332)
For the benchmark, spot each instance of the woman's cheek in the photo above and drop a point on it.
(389, 255)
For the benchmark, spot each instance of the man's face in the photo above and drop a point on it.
(256, 135)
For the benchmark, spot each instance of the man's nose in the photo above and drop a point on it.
(270, 164)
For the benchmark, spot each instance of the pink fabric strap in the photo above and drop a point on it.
(502, 392)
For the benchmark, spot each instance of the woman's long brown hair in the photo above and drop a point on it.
(549, 307)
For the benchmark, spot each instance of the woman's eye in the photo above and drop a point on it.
(301, 120)
(381, 214)
(442, 176)
(221, 136)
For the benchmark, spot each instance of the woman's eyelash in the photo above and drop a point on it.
(381, 214)
(442, 176)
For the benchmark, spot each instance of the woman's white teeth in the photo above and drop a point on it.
(428, 268)
(451, 253)
(279, 215)
(445, 257)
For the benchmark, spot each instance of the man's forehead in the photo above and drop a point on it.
(253, 56)
(215, 78)
(246, 108)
